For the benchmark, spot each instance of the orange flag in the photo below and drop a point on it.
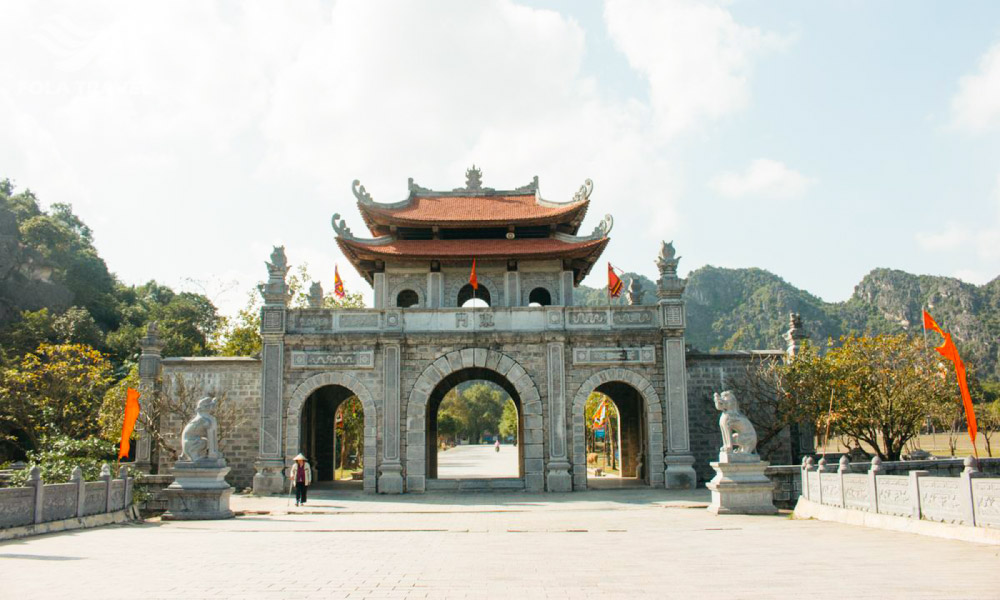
(614, 283)
(600, 415)
(473, 281)
(949, 351)
(128, 423)
(338, 283)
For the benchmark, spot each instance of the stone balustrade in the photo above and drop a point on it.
(39, 503)
(971, 498)
(467, 320)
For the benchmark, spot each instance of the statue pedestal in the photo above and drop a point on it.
(199, 491)
(740, 486)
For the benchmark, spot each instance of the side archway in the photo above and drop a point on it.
(459, 360)
(346, 380)
(654, 420)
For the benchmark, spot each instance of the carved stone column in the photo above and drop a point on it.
(679, 472)
(802, 434)
(512, 289)
(149, 386)
(435, 290)
(566, 287)
(269, 478)
(390, 478)
(378, 285)
(558, 478)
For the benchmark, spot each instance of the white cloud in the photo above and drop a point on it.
(193, 135)
(764, 178)
(953, 236)
(975, 107)
(978, 246)
(697, 58)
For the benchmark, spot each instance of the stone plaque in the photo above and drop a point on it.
(315, 321)
(393, 319)
(321, 359)
(557, 401)
(588, 317)
(461, 320)
(676, 384)
(273, 320)
(632, 317)
(894, 495)
(359, 321)
(486, 320)
(674, 314)
(940, 499)
(391, 407)
(270, 417)
(856, 491)
(643, 355)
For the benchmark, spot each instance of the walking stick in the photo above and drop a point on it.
(288, 500)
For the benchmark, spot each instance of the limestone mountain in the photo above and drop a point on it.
(744, 309)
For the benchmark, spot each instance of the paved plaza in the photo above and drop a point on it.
(609, 544)
(477, 461)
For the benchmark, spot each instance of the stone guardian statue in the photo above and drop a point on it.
(200, 438)
(738, 433)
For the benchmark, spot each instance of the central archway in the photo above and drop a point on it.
(460, 365)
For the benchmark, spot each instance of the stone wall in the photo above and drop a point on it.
(236, 382)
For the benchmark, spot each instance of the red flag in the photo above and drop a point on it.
(949, 351)
(614, 283)
(473, 281)
(338, 283)
(128, 423)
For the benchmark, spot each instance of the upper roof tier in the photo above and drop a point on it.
(473, 206)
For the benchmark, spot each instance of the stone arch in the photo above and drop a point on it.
(467, 358)
(294, 417)
(498, 295)
(654, 420)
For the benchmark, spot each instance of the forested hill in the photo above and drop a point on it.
(745, 309)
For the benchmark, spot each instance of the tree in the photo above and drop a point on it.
(55, 390)
(763, 396)
(881, 389)
(508, 420)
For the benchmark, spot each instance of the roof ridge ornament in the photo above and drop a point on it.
(584, 192)
(531, 187)
(361, 193)
(341, 227)
(604, 227)
(473, 179)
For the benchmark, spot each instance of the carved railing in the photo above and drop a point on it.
(970, 499)
(467, 320)
(39, 502)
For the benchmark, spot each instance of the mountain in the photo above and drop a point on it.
(746, 309)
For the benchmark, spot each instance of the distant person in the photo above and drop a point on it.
(301, 476)
(496, 445)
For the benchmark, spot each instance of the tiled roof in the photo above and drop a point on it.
(476, 211)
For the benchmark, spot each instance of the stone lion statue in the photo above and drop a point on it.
(199, 440)
(738, 434)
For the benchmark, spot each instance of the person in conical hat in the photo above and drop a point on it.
(301, 476)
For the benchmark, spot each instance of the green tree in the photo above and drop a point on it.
(881, 389)
(508, 420)
(53, 391)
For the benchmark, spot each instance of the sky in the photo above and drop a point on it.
(817, 140)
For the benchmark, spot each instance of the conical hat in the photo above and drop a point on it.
(299, 457)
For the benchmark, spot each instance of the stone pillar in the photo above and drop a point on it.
(269, 478)
(679, 472)
(512, 288)
(566, 288)
(435, 290)
(557, 477)
(35, 481)
(149, 386)
(802, 434)
(390, 478)
(81, 489)
(378, 286)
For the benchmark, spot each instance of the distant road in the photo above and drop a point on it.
(477, 462)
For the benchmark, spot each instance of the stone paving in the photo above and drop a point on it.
(607, 544)
(477, 461)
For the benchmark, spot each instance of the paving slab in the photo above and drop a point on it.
(607, 544)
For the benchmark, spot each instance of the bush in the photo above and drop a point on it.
(59, 455)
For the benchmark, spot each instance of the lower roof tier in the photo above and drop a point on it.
(581, 255)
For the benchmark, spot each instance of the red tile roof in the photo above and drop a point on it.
(474, 211)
